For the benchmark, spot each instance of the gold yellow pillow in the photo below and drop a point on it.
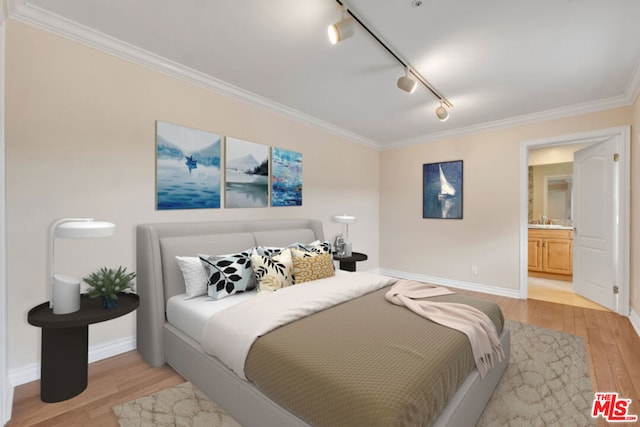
(314, 267)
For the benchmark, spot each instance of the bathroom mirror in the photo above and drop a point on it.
(550, 192)
(557, 197)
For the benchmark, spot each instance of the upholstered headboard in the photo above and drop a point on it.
(159, 276)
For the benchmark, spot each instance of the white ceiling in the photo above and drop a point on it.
(499, 62)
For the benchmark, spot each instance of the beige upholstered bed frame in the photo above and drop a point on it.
(159, 278)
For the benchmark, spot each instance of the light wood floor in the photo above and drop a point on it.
(613, 350)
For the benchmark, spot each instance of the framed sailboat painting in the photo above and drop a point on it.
(442, 190)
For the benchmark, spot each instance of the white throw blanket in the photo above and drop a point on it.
(476, 325)
(230, 333)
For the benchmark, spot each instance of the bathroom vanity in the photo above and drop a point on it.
(551, 252)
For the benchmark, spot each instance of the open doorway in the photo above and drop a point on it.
(550, 225)
(559, 218)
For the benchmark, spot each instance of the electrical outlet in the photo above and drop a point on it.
(474, 270)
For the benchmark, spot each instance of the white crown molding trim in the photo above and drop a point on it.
(469, 286)
(22, 11)
(26, 374)
(557, 113)
(635, 321)
(633, 90)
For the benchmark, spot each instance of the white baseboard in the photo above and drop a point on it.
(470, 286)
(635, 321)
(28, 373)
(8, 405)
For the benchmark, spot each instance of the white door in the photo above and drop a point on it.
(595, 230)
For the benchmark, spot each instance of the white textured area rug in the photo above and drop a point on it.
(182, 405)
(546, 384)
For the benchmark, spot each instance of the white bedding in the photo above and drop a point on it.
(229, 333)
(190, 315)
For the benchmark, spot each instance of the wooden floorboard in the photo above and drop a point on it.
(611, 343)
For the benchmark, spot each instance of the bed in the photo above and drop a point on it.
(160, 285)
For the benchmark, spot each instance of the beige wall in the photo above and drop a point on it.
(488, 236)
(81, 142)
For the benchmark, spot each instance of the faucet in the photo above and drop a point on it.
(544, 219)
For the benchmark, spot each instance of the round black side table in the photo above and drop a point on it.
(65, 343)
(348, 263)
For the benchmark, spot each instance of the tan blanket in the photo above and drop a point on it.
(476, 325)
(366, 363)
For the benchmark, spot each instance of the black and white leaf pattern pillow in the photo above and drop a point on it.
(314, 248)
(228, 274)
(273, 272)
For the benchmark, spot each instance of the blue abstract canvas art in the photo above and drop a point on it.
(442, 190)
(187, 168)
(286, 177)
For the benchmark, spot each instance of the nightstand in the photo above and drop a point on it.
(65, 343)
(348, 263)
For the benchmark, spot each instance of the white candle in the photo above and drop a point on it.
(66, 294)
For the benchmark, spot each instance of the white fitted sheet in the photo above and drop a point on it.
(190, 315)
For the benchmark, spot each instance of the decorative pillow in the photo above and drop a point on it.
(228, 274)
(312, 267)
(273, 250)
(195, 278)
(316, 247)
(272, 272)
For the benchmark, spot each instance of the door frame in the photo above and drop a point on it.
(623, 184)
(6, 390)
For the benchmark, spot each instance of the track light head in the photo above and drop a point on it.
(407, 83)
(442, 113)
(341, 30)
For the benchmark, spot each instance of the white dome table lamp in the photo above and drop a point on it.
(64, 291)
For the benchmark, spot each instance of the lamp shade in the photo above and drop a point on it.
(344, 219)
(64, 291)
(85, 229)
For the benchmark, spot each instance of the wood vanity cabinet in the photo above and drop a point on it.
(551, 253)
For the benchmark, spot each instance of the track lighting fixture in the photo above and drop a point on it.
(346, 28)
(343, 29)
(407, 83)
(442, 113)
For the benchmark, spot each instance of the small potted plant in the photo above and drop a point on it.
(106, 283)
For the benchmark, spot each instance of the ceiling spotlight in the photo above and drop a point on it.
(341, 30)
(406, 82)
(442, 113)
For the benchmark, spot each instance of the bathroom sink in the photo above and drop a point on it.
(551, 226)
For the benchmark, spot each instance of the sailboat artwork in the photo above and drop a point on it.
(442, 190)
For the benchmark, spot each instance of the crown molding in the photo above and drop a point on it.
(22, 11)
(557, 113)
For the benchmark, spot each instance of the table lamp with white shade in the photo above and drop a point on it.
(346, 220)
(64, 293)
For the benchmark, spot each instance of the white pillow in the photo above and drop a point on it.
(195, 278)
